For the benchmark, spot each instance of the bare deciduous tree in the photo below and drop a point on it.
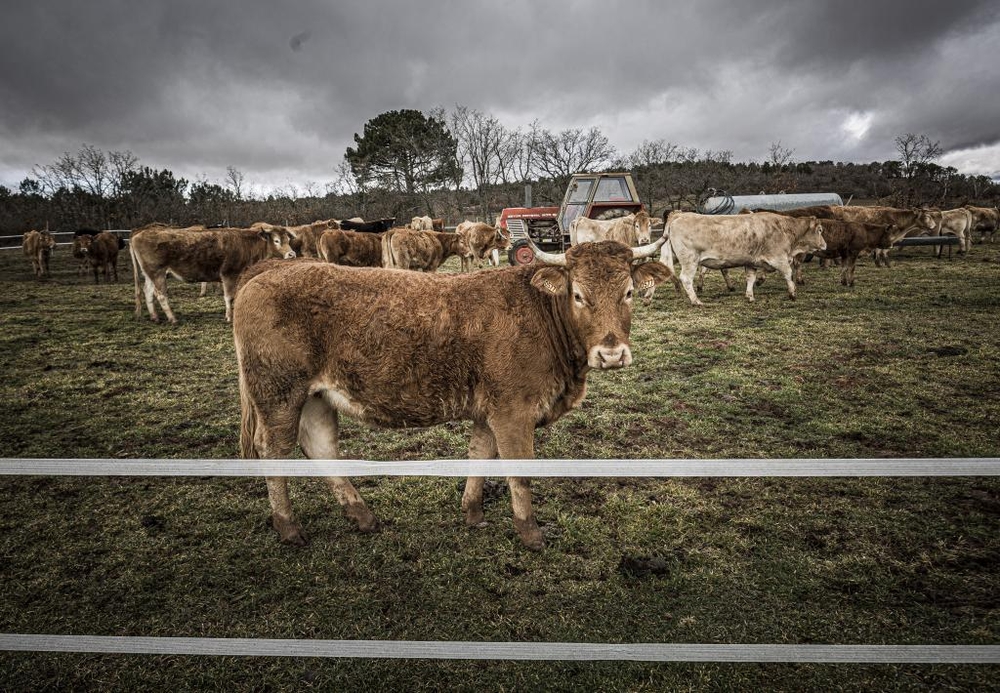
(779, 155)
(572, 151)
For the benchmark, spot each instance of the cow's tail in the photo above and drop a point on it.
(667, 254)
(135, 278)
(248, 421)
(388, 258)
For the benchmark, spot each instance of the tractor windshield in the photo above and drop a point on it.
(580, 190)
(612, 190)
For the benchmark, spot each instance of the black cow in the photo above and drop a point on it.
(376, 226)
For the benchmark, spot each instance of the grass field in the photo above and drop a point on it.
(903, 365)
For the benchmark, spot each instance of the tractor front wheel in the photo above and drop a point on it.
(521, 254)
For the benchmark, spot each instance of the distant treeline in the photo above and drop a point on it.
(131, 195)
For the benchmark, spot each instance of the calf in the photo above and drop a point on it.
(202, 255)
(37, 247)
(509, 351)
(846, 240)
(351, 248)
(479, 242)
(101, 252)
(419, 250)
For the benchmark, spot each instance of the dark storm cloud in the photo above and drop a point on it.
(279, 89)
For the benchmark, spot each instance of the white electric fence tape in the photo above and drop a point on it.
(975, 466)
(548, 651)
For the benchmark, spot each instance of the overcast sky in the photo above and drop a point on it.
(278, 89)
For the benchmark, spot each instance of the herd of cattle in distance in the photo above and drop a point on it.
(343, 331)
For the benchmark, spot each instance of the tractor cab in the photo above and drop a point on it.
(591, 195)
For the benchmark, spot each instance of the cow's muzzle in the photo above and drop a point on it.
(605, 357)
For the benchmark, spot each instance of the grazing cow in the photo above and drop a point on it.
(764, 240)
(419, 250)
(206, 256)
(422, 224)
(377, 226)
(509, 350)
(631, 229)
(101, 252)
(37, 247)
(479, 241)
(351, 248)
(845, 240)
(985, 220)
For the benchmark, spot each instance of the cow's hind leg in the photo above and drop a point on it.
(148, 293)
(320, 440)
(482, 446)
(687, 281)
(159, 289)
(273, 431)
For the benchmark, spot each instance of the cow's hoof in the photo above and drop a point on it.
(531, 535)
(288, 531)
(474, 517)
(363, 517)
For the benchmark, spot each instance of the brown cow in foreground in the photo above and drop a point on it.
(37, 247)
(351, 248)
(419, 250)
(509, 350)
(101, 251)
(203, 255)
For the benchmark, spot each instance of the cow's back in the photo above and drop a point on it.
(198, 255)
(416, 349)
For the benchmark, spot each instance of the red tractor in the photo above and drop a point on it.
(591, 195)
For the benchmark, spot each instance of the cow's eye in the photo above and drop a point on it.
(628, 295)
(578, 297)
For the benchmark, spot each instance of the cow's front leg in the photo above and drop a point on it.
(516, 441)
(319, 436)
(785, 269)
(482, 446)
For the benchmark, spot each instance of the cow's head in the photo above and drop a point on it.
(926, 218)
(596, 283)
(48, 241)
(502, 238)
(81, 245)
(812, 238)
(889, 235)
(278, 241)
(641, 224)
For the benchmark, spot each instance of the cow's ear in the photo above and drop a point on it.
(648, 274)
(265, 234)
(550, 280)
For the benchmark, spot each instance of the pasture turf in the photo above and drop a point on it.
(905, 364)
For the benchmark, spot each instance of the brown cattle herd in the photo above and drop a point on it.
(351, 318)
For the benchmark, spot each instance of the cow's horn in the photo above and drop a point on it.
(650, 250)
(555, 259)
